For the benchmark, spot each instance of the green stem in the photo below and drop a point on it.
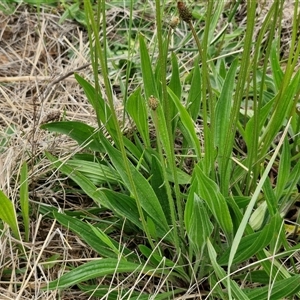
(206, 90)
(166, 105)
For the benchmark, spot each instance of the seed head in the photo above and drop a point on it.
(153, 102)
(184, 12)
(174, 22)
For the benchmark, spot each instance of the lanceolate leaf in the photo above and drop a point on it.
(83, 134)
(276, 69)
(148, 77)
(223, 109)
(146, 195)
(121, 204)
(222, 131)
(284, 169)
(253, 243)
(194, 96)
(87, 186)
(278, 290)
(98, 268)
(209, 192)
(197, 222)
(107, 293)
(100, 106)
(175, 86)
(136, 107)
(187, 122)
(8, 214)
(85, 232)
(236, 290)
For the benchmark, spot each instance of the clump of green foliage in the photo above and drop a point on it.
(200, 229)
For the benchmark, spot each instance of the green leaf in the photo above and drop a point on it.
(275, 65)
(209, 192)
(284, 169)
(253, 243)
(283, 105)
(187, 122)
(98, 173)
(175, 86)
(197, 222)
(264, 113)
(223, 109)
(146, 195)
(146, 65)
(83, 134)
(236, 290)
(214, 21)
(136, 107)
(124, 206)
(194, 96)
(277, 290)
(106, 240)
(8, 214)
(222, 131)
(100, 106)
(87, 234)
(106, 292)
(99, 268)
(86, 185)
(157, 183)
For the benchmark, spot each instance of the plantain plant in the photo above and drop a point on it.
(206, 229)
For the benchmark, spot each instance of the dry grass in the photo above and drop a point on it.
(36, 53)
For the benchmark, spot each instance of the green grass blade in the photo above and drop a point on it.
(8, 214)
(24, 199)
(254, 198)
(236, 290)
